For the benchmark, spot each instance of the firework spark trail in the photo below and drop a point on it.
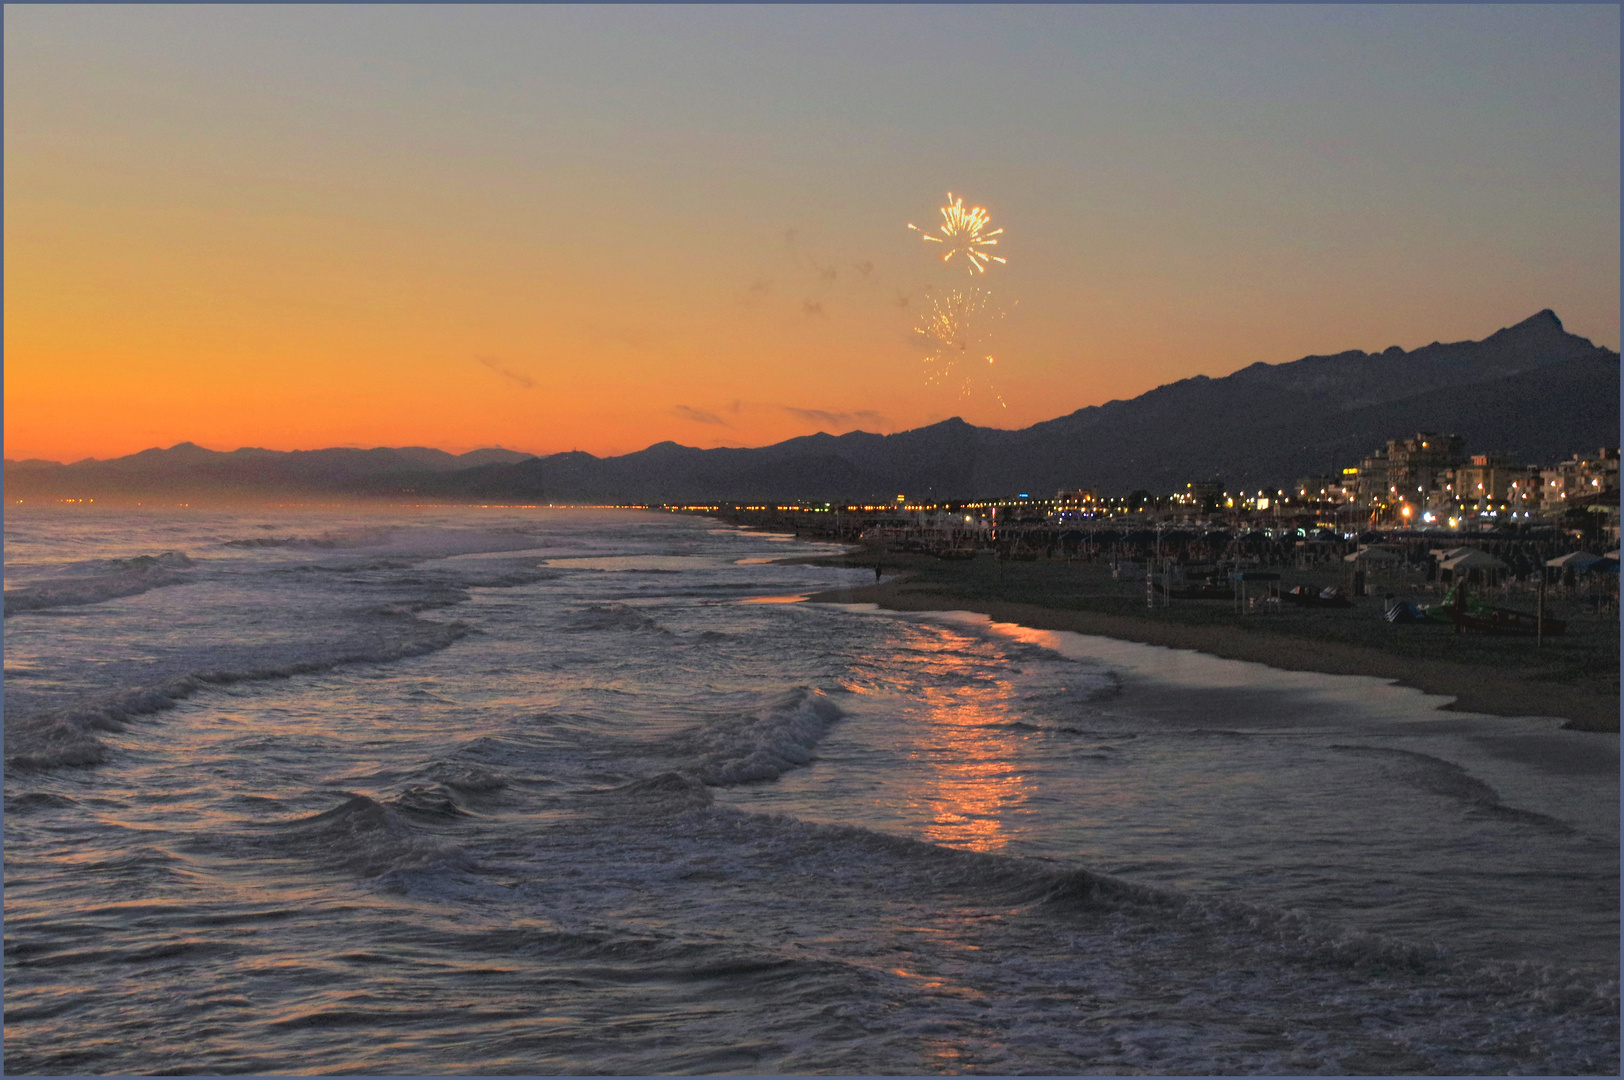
(965, 231)
(957, 335)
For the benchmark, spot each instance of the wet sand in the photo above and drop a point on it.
(1482, 680)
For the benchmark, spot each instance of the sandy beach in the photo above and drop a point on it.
(1573, 677)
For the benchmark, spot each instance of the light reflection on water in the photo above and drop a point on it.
(976, 786)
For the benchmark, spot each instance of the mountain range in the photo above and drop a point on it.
(1532, 391)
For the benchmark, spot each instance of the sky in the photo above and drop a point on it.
(600, 227)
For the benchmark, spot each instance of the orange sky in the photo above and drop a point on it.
(595, 228)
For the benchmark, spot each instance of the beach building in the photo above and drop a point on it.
(1079, 499)
(1398, 482)
(1203, 496)
(1579, 479)
(1492, 484)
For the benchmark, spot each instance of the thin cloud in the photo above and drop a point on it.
(813, 308)
(507, 373)
(699, 416)
(757, 291)
(837, 419)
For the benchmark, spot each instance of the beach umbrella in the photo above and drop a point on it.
(1372, 555)
(1575, 559)
(1473, 559)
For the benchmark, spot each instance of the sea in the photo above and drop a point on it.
(507, 790)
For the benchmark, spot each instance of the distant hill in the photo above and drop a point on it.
(189, 469)
(1531, 390)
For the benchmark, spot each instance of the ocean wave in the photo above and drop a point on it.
(32, 801)
(360, 837)
(613, 617)
(1440, 777)
(99, 580)
(668, 792)
(285, 542)
(506, 579)
(65, 736)
(358, 538)
(432, 801)
(762, 746)
(464, 778)
(1223, 932)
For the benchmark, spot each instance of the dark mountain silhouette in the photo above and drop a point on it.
(1531, 390)
(189, 469)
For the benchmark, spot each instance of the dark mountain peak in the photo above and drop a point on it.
(1541, 327)
(491, 454)
(952, 423)
(180, 449)
(667, 448)
(1545, 319)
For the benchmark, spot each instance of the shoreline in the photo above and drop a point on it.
(1475, 688)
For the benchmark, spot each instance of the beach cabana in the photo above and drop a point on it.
(1472, 562)
(1369, 555)
(1576, 559)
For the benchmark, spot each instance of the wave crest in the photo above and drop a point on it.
(103, 579)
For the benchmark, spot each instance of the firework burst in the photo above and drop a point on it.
(965, 232)
(956, 332)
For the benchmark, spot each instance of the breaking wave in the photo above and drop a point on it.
(65, 735)
(103, 579)
(761, 746)
(614, 617)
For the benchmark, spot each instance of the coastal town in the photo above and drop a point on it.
(1416, 488)
(1460, 573)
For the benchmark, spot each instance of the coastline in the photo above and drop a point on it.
(1495, 690)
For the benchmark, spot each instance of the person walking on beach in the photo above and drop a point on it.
(876, 573)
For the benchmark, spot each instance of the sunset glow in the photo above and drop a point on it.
(557, 228)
